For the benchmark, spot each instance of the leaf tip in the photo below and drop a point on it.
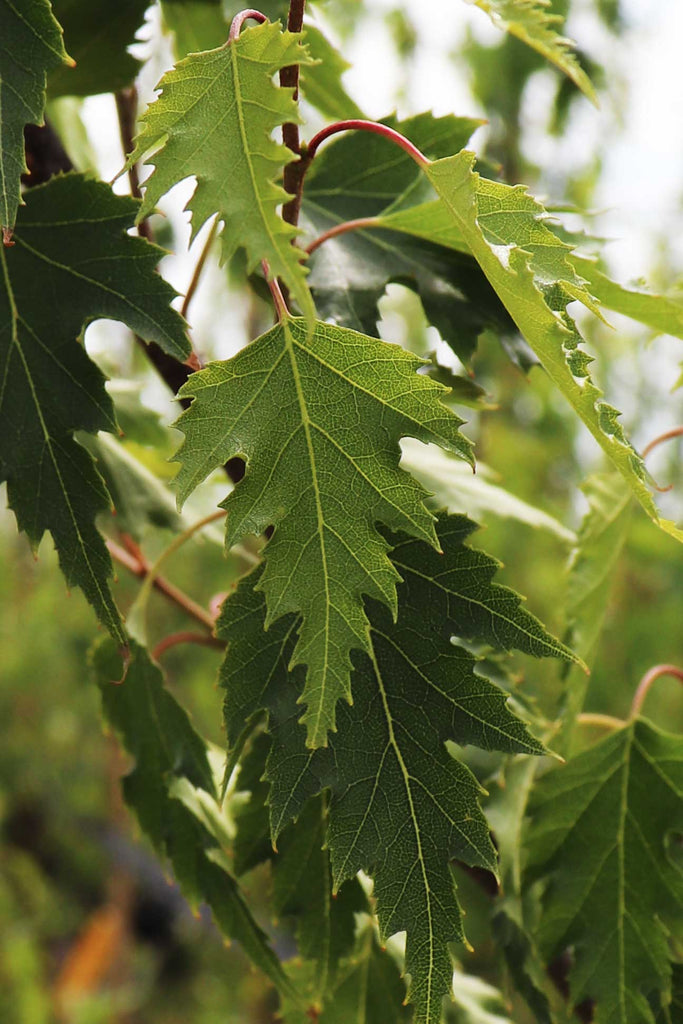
(7, 239)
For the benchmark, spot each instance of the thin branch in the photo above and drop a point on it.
(279, 300)
(600, 721)
(289, 79)
(646, 682)
(341, 229)
(186, 637)
(666, 436)
(127, 110)
(192, 287)
(354, 124)
(239, 20)
(169, 590)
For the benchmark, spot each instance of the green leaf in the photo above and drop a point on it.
(97, 33)
(72, 262)
(198, 25)
(533, 22)
(328, 414)
(321, 83)
(401, 806)
(140, 500)
(30, 46)
(302, 889)
(600, 543)
(475, 1002)
(214, 119)
(600, 835)
(529, 268)
(158, 734)
(368, 987)
(663, 313)
(458, 489)
(350, 273)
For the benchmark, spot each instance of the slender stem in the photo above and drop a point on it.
(353, 124)
(600, 721)
(341, 229)
(646, 683)
(169, 590)
(666, 436)
(289, 79)
(192, 287)
(185, 637)
(127, 108)
(366, 126)
(275, 290)
(239, 20)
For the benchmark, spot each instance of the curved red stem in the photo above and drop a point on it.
(239, 20)
(275, 290)
(185, 637)
(341, 229)
(668, 435)
(366, 126)
(646, 683)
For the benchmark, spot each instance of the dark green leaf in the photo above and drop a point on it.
(30, 46)
(600, 835)
(97, 34)
(72, 263)
(401, 805)
(158, 734)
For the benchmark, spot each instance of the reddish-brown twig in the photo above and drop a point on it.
(646, 682)
(185, 637)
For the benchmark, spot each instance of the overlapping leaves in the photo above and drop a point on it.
(71, 263)
(170, 757)
(30, 46)
(214, 119)
(401, 805)
(350, 273)
(602, 834)
(318, 421)
(530, 269)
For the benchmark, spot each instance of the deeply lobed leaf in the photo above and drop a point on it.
(600, 835)
(72, 262)
(505, 230)
(30, 46)
(318, 422)
(214, 119)
(401, 805)
(534, 23)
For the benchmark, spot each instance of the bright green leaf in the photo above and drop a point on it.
(663, 313)
(600, 835)
(328, 412)
(214, 119)
(30, 46)
(529, 267)
(97, 33)
(533, 22)
(72, 262)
